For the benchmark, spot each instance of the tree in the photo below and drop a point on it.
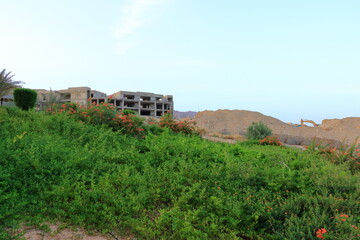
(25, 98)
(6, 83)
(257, 131)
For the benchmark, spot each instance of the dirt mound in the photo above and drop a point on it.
(235, 122)
(348, 124)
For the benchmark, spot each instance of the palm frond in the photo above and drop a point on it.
(6, 82)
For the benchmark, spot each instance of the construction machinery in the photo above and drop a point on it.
(308, 121)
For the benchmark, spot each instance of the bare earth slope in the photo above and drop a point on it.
(235, 122)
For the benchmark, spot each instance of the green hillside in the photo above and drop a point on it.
(54, 168)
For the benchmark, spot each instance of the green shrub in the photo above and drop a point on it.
(153, 128)
(258, 131)
(25, 99)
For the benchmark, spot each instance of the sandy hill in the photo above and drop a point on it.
(235, 122)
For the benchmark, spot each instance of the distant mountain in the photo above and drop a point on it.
(188, 114)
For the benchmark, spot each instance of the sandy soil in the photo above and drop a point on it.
(58, 233)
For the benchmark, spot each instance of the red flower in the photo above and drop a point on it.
(320, 232)
(319, 236)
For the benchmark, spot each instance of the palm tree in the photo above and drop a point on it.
(6, 83)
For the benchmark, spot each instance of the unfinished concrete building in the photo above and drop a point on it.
(144, 103)
(97, 97)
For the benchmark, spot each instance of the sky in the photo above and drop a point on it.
(285, 59)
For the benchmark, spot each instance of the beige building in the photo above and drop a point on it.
(78, 95)
(143, 103)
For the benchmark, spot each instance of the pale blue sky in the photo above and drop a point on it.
(284, 58)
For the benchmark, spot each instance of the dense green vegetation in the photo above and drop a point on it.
(54, 168)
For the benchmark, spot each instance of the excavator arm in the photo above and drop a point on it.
(307, 121)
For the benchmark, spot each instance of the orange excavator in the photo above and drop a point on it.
(308, 121)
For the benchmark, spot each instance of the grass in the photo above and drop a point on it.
(54, 168)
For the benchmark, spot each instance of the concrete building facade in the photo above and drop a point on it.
(144, 103)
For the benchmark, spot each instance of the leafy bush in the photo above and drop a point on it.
(97, 114)
(257, 131)
(128, 123)
(186, 127)
(25, 99)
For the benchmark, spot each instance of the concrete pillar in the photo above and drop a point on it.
(139, 107)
